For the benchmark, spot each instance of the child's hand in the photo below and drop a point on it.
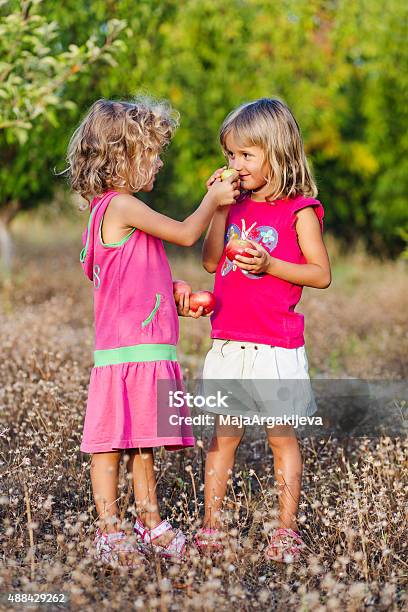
(260, 261)
(225, 192)
(183, 308)
(216, 175)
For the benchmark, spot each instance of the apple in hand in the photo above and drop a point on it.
(180, 287)
(237, 246)
(228, 172)
(206, 299)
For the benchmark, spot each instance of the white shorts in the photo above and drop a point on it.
(262, 379)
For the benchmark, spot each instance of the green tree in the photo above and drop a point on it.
(35, 70)
(385, 57)
(339, 65)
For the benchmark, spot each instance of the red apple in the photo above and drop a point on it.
(206, 299)
(180, 287)
(236, 246)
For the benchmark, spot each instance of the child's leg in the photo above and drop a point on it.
(288, 472)
(104, 477)
(220, 460)
(141, 466)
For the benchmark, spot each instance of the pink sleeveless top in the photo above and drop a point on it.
(133, 291)
(261, 307)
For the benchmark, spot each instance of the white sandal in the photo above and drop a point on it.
(174, 549)
(108, 547)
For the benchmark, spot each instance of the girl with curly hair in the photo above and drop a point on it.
(114, 153)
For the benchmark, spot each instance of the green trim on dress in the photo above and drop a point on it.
(84, 250)
(155, 309)
(113, 244)
(135, 354)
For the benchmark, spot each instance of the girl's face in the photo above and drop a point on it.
(159, 165)
(251, 165)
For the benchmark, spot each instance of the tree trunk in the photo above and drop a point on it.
(7, 214)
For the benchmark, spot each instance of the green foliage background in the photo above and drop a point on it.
(340, 65)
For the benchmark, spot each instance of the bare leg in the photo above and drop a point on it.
(288, 472)
(141, 466)
(104, 477)
(219, 462)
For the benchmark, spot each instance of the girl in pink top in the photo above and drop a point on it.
(114, 153)
(257, 333)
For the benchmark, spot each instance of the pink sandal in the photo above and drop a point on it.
(288, 548)
(174, 549)
(209, 540)
(108, 547)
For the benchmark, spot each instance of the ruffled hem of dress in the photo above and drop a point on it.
(170, 444)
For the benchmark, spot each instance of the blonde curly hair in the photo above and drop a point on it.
(117, 145)
(269, 124)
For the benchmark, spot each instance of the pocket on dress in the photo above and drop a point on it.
(152, 314)
(158, 322)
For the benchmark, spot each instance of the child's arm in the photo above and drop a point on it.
(213, 246)
(214, 241)
(132, 212)
(315, 273)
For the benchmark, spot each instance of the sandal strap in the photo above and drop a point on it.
(209, 531)
(140, 529)
(292, 547)
(109, 537)
(177, 544)
(149, 535)
(174, 548)
(108, 545)
(115, 537)
(161, 528)
(208, 537)
(288, 532)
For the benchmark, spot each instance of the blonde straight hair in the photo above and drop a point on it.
(268, 123)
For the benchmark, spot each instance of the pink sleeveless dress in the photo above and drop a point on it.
(136, 333)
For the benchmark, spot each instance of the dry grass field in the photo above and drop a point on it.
(353, 511)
